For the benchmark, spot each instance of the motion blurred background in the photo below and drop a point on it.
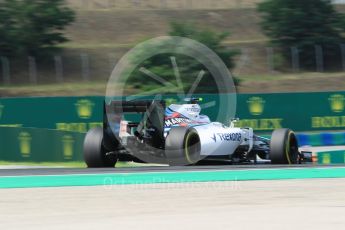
(69, 48)
(99, 32)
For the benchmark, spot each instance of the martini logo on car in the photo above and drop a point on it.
(25, 144)
(67, 143)
(256, 105)
(176, 121)
(84, 108)
(226, 137)
(1, 110)
(337, 103)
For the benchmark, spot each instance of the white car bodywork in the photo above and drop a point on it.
(215, 138)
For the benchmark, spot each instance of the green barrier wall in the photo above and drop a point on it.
(64, 113)
(331, 157)
(299, 111)
(263, 112)
(40, 145)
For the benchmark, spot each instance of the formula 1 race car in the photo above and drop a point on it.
(180, 135)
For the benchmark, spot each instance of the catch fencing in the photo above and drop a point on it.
(87, 67)
(166, 4)
(161, 4)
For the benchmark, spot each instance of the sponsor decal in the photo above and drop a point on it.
(261, 124)
(178, 120)
(193, 109)
(226, 137)
(328, 122)
(337, 105)
(326, 158)
(12, 125)
(214, 137)
(256, 105)
(336, 102)
(84, 108)
(67, 143)
(81, 127)
(25, 144)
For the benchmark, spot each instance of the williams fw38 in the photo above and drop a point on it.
(180, 135)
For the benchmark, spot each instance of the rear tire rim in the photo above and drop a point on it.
(291, 148)
(192, 147)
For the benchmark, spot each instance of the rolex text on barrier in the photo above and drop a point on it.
(324, 111)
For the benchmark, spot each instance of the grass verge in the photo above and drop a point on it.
(297, 82)
(71, 164)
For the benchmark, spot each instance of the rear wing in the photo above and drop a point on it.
(152, 111)
(137, 106)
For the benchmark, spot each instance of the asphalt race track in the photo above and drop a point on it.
(57, 198)
(279, 204)
(158, 197)
(8, 171)
(146, 169)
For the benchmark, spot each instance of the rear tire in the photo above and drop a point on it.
(283, 147)
(94, 151)
(182, 146)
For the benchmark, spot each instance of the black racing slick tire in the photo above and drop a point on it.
(94, 151)
(182, 146)
(283, 147)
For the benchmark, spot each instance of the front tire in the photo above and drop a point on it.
(283, 147)
(94, 151)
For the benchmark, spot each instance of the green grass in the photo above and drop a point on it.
(93, 45)
(71, 164)
(55, 89)
(290, 76)
(276, 82)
